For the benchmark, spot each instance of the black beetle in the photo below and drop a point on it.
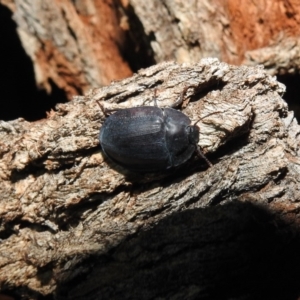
(149, 138)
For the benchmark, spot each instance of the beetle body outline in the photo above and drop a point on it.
(149, 138)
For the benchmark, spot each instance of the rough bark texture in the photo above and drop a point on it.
(281, 57)
(76, 225)
(233, 31)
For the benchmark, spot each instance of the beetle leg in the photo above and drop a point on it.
(155, 99)
(105, 110)
(102, 108)
(182, 94)
(200, 153)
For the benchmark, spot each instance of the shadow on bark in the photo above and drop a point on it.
(233, 251)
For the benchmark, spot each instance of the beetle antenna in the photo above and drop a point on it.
(213, 113)
(200, 153)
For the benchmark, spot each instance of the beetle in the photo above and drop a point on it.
(149, 138)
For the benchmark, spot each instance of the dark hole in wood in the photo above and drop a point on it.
(292, 94)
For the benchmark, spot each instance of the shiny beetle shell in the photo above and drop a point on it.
(149, 138)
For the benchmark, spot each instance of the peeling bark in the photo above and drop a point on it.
(233, 31)
(80, 45)
(281, 57)
(76, 225)
(75, 44)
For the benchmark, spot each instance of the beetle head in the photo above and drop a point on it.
(193, 134)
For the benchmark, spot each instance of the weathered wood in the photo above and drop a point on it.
(83, 44)
(280, 57)
(236, 32)
(75, 44)
(69, 215)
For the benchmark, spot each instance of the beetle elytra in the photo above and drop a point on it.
(149, 138)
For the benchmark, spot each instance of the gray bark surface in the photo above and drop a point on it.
(76, 225)
(248, 32)
(281, 57)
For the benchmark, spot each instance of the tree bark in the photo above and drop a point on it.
(77, 226)
(249, 32)
(79, 45)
